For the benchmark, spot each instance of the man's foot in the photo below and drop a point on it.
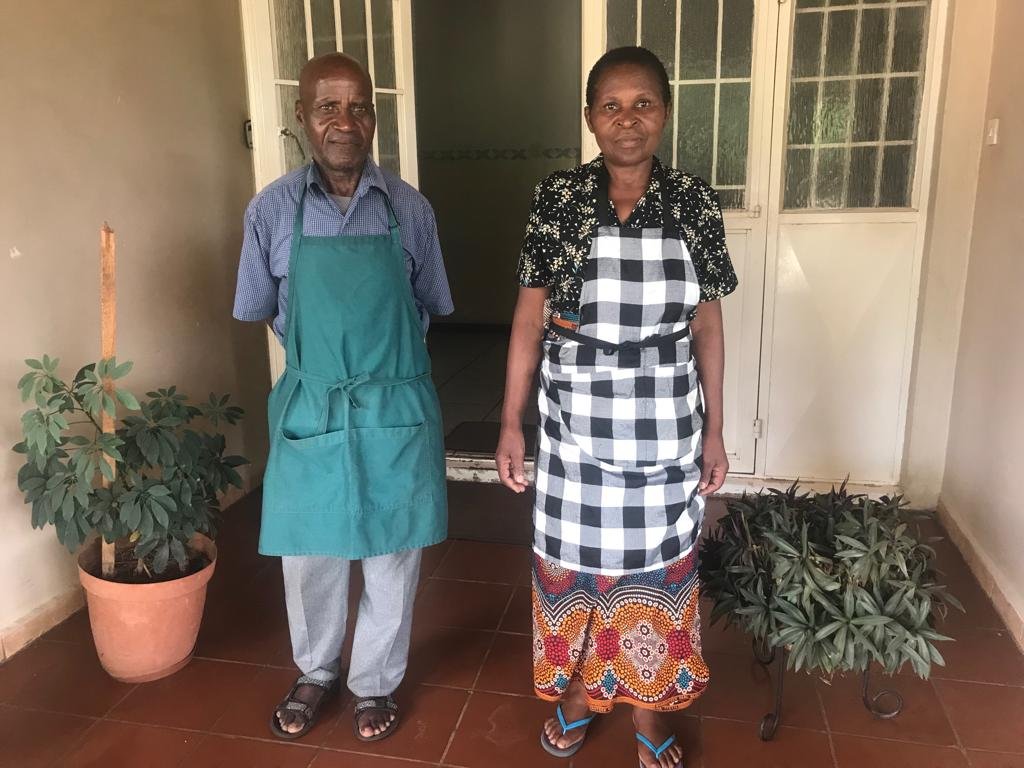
(574, 708)
(653, 726)
(297, 713)
(375, 717)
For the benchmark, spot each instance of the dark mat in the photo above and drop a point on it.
(480, 438)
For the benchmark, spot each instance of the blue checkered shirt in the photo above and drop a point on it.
(262, 289)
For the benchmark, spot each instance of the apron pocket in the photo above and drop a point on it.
(391, 467)
(306, 475)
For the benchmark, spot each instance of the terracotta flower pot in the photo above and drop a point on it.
(145, 631)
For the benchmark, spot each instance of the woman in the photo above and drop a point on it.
(618, 254)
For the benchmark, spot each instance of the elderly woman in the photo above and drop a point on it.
(622, 269)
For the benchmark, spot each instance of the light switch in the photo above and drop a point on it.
(992, 132)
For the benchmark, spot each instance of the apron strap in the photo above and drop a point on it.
(610, 349)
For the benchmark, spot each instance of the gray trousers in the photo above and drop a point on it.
(316, 594)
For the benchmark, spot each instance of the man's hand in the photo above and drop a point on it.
(509, 458)
(715, 464)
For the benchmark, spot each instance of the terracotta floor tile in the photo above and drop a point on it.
(429, 716)
(729, 744)
(478, 561)
(986, 717)
(327, 759)
(432, 557)
(250, 712)
(114, 745)
(518, 618)
(857, 752)
(982, 656)
(193, 698)
(225, 752)
(719, 638)
(994, 760)
(922, 718)
(611, 740)
(500, 731)
(36, 739)
(62, 677)
(741, 689)
(469, 605)
(509, 666)
(446, 655)
(74, 629)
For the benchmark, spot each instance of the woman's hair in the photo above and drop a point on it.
(629, 54)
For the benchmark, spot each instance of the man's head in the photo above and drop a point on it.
(335, 107)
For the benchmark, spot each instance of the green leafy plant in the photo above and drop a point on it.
(838, 580)
(151, 485)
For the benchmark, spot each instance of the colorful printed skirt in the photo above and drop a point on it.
(633, 639)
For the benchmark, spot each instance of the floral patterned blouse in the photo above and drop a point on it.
(564, 216)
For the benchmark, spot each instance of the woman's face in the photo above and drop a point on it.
(627, 115)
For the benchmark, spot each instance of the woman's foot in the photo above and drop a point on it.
(295, 715)
(653, 726)
(574, 707)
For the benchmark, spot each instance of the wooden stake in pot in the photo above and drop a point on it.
(108, 336)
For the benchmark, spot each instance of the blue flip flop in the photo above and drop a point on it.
(551, 749)
(656, 751)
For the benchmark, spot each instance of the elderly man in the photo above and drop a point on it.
(343, 259)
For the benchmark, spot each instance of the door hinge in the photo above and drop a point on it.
(247, 133)
(755, 212)
(758, 429)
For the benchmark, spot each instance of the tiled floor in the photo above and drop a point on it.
(466, 700)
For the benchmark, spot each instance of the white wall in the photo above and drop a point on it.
(132, 113)
(981, 491)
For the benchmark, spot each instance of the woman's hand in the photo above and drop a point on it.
(509, 458)
(715, 464)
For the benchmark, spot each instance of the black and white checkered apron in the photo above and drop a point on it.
(621, 411)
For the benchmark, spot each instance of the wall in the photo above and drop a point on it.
(131, 113)
(981, 489)
(504, 77)
(944, 268)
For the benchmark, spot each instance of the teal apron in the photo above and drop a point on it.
(356, 466)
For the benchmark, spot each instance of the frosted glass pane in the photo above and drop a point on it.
(909, 39)
(802, 102)
(324, 40)
(895, 192)
(698, 39)
(834, 115)
(902, 117)
(353, 30)
(295, 146)
(798, 178)
(732, 199)
(383, 45)
(658, 31)
(810, 3)
(868, 109)
(387, 132)
(829, 188)
(863, 165)
(696, 129)
(621, 23)
(839, 45)
(733, 122)
(874, 38)
(290, 38)
(807, 44)
(737, 37)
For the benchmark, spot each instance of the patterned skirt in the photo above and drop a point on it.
(633, 639)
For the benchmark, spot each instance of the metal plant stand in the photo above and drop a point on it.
(874, 703)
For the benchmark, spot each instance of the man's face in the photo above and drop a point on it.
(339, 120)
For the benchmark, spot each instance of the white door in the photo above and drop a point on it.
(720, 58)
(280, 35)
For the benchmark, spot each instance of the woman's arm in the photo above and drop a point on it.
(709, 355)
(524, 351)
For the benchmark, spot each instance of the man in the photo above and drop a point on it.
(343, 259)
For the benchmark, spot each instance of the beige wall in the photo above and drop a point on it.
(985, 457)
(131, 113)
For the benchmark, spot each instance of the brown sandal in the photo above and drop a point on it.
(375, 704)
(308, 711)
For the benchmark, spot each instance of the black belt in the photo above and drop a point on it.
(610, 349)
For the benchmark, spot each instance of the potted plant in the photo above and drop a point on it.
(833, 581)
(149, 488)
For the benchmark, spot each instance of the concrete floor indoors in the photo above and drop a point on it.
(467, 701)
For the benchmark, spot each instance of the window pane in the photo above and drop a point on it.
(324, 40)
(863, 166)
(895, 192)
(696, 131)
(828, 191)
(868, 110)
(732, 199)
(289, 38)
(809, 3)
(353, 30)
(733, 119)
(834, 114)
(294, 144)
(803, 100)
(383, 45)
(737, 37)
(839, 45)
(909, 40)
(658, 31)
(874, 38)
(698, 39)
(900, 123)
(387, 132)
(621, 23)
(807, 44)
(798, 178)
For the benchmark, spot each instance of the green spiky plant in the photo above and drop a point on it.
(150, 486)
(836, 579)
